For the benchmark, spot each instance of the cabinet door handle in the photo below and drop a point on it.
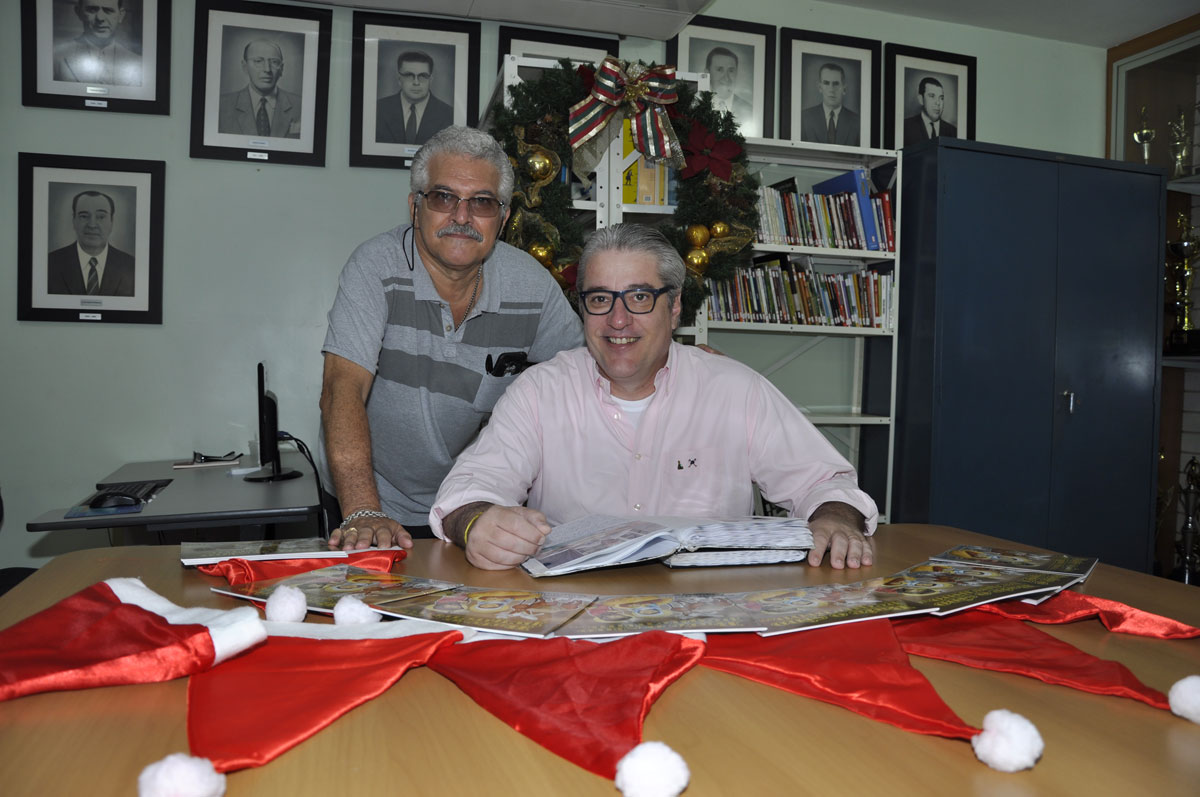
(1069, 395)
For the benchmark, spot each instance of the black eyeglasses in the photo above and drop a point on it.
(636, 300)
(481, 205)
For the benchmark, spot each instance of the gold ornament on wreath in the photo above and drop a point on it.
(721, 237)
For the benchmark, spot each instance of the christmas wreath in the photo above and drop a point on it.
(715, 214)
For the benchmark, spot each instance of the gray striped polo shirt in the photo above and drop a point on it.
(431, 392)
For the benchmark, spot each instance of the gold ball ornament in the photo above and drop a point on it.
(697, 235)
(697, 261)
(719, 229)
(538, 165)
(542, 253)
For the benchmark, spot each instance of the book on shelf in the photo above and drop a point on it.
(644, 182)
(517, 612)
(324, 587)
(622, 615)
(207, 553)
(838, 213)
(600, 541)
(777, 290)
(853, 192)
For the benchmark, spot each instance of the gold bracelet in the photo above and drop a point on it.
(467, 530)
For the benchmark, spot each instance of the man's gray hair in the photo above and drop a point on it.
(636, 238)
(468, 141)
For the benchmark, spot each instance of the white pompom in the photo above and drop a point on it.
(350, 610)
(1008, 742)
(1184, 698)
(286, 605)
(652, 770)
(181, 775)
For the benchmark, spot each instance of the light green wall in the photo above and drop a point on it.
(252, 254)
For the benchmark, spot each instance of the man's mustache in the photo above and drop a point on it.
(461, 229)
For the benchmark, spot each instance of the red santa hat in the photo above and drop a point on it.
(288, 678)
(119, 632)
(243, 571)
(585, 701)
(861, 666)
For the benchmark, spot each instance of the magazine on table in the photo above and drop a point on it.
(1029, 561)
(207, 553)
(947, 587)
(623, 615)
(323, 588)
(519, 612)
(787, 609)
(602, 541)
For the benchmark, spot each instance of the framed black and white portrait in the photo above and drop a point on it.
(260, 82)
(89, 239)
(410, 77)
(739, 58)
(832, 96)
(927, 94)
(104, 55)
(534, 43)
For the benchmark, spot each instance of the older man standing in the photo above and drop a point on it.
(96, 56)
(261, 108)
(422, 315)
(637, 425)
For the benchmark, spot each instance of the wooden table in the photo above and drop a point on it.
(424, 737)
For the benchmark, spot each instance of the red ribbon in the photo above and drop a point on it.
(644, 90)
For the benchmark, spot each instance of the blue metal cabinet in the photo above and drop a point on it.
(1029, 347)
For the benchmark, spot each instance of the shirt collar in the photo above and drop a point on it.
(84, 256)
(256, 95)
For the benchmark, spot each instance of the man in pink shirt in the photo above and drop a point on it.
(637, 425)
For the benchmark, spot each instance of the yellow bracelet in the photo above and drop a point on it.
(467, 530)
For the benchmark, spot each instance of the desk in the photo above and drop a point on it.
(199, 498)
(425, 737)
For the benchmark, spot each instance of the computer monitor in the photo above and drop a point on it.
(268, 436)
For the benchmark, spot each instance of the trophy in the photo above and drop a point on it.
(1181, 145)
(1180, 281)
(1144, 135)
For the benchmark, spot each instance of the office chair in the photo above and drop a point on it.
(11, 576)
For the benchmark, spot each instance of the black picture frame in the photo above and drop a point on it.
(223, 116)
(753, 102)
(904, 72)
(805, 56)
(135, 79)
(536, 43)
(55, 196)
(377, 135)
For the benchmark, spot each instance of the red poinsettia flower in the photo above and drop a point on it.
(704, 151)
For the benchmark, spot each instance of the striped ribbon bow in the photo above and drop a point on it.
(625, 90)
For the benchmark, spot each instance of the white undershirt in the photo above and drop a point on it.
(634, 409)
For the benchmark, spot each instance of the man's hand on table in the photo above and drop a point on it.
(364, 532)
(838, 529)
(502, 537)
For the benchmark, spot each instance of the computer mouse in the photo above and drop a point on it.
(107, 499)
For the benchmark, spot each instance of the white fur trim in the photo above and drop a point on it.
(373, 631)
(350, 610)
(287, 604)
(232, 630)
(652, 770)
(181, 775)
(1008, 742)
(1184, 698)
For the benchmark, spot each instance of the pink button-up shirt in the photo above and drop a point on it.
(714, 426)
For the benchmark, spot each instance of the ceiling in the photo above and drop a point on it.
(1098, 23)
